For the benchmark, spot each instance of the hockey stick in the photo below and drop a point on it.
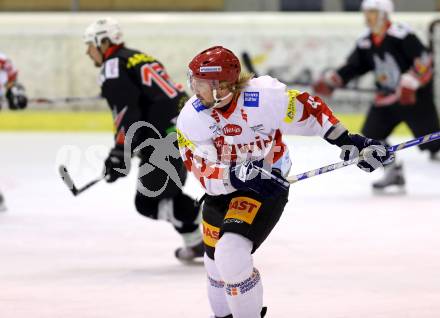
(69, 182)
(247, 61)
(64, 100)
(342, 164)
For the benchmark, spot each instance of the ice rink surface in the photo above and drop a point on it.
(338, 251)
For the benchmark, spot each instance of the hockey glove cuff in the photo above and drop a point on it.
(117, 164)
(327, 83)
(408, 89)
(16, 96)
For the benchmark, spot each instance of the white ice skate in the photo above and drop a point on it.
(393, 181)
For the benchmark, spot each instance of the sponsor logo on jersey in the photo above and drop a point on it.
(112, 68)
(259, 127)
(216, 130)
(139, 58)
(211, 234)
(228, 221)
(251, 99)
(291, 106)
(232, 130)
(230, 152)
(198, 106)
(183, 142)
(219, 142)
(210, 69)
(243, 208)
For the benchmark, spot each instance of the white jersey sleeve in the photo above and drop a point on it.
(294, 112)
(300, 113)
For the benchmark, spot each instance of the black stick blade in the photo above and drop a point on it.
(67, 179)
(247, 61)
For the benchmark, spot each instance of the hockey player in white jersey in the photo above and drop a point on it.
(230, 137)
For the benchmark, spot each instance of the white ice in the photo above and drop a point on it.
(338, 251)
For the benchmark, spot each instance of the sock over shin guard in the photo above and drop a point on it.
(244, 290)
(216, 289)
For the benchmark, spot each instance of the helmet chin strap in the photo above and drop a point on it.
(220, 102)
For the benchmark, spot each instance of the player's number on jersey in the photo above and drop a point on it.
(155, 72)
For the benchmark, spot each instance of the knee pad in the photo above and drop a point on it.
(233, 257)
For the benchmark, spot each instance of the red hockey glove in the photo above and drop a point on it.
(327, 83)
(321, 88)
(408, 89)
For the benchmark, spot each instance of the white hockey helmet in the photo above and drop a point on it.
(386, 6)
(103, 28)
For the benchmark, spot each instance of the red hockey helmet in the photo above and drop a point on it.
(216, 63)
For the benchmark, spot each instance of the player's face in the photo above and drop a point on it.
(95, 55)
(204, 90)
(373, 20)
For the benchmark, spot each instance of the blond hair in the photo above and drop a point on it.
(242, 82)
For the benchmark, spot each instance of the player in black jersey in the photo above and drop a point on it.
(144, 102)
(403, 71)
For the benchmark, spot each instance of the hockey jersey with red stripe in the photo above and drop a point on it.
(252, 127)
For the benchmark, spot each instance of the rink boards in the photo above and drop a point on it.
(92, 121)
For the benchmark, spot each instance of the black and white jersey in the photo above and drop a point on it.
(399, 52)
(138, 89)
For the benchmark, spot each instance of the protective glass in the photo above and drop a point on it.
(200, 86)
